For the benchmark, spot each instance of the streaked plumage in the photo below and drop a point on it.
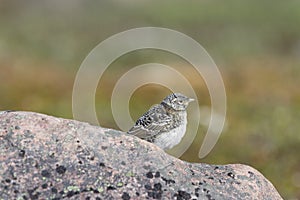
(164, 124)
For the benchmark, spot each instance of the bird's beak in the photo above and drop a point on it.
(191, 99)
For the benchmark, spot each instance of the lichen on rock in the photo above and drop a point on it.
(46, 157)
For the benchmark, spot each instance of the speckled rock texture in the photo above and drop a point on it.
(43, 157)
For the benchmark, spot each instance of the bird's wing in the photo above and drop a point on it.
(153, 122)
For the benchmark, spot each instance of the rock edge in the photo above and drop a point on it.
(44, 157)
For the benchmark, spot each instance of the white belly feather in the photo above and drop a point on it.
(169, 139)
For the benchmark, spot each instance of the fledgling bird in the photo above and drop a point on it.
(164, 124)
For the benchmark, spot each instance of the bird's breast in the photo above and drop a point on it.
(173, 137)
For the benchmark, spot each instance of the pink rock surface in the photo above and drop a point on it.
(44, 157)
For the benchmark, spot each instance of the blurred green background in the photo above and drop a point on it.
(256, 45)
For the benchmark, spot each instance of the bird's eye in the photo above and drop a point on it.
(180, 102)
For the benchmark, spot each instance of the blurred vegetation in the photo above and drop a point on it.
(256, 45)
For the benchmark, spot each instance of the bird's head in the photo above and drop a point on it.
(177, 101)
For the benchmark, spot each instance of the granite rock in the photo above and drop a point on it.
(44, 157)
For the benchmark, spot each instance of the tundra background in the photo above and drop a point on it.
(255, 44)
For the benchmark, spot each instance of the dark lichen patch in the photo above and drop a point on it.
(54, 190)
(45, 173)
(33, 194)
(72, 193)
(17, 127)
(230, 174)
(45, 185)
(125, 196)
(155, 195)
(154, 192)
(109, 173)
(197, 191)
(221, 181)
(149, 175)
(148, 187)
(111, 188)
(205, 190)
(7, 180)
(168, 181)
(96, 191)
(192, 172)
(101, 164)
(182, 195)
(91, 189)
(91, 158)
(209, 197)
(22, 153)
(157, 187)
(251, 174)
(104, 147)
(61, 169)
(157, 175)
(237, 182)
(51, 154)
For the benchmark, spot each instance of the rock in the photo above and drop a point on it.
(46, 157)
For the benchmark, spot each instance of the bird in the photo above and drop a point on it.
(164, 124)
